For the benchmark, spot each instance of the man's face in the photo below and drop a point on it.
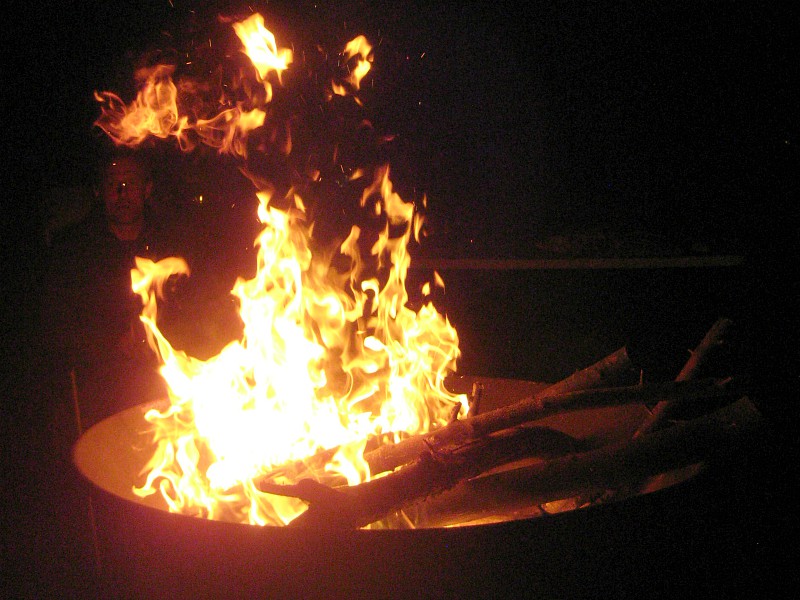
(124, 189)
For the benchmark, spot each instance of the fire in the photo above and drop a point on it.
(157, 108)
(260, 46)
(154, 112)
(361, 48)
(331, 356)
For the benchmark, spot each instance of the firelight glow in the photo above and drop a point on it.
(330, 356)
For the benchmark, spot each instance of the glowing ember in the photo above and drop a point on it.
(331, 356)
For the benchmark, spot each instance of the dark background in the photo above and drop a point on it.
(671, 120)
(565, 129)
(669, 128)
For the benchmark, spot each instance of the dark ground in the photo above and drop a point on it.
(668, 130)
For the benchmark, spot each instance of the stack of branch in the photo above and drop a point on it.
(508, 451)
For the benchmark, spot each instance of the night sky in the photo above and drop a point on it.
(670, 119)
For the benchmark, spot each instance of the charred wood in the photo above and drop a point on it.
(540, 406)
(713, 435)
(605, 372)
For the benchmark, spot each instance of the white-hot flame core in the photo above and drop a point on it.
(329, 357)
(260, 46)
(326, 360)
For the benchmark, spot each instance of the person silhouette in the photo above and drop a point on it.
(90, 315)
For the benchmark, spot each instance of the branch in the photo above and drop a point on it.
(540, 406)
(715, 434)
(610, 369)
(665, 409)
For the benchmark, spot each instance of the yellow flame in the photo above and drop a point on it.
(331, 354)
(360, 47)
(326, 360)
(261, 48)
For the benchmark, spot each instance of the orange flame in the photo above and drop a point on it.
(329, 357)
(154, 112)
(260, 46)
(358, 46)
(326, 360)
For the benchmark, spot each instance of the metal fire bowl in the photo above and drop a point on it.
(145, 551)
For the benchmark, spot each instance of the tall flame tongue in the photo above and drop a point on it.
(329, 358)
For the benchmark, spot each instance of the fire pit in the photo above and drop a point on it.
(495, 521)
(114, 454)
(331, 451)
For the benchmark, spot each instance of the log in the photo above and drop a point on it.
(538, 407)
(603, 373)
(713, 435)
(612, 473)
(431, 473)
(665, 409)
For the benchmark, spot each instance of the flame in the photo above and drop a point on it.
(261, 48)
(154, 112)
(326, 360)
(360, 47)
(331, 354)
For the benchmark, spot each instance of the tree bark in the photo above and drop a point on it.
(603, 373)
(537, 407)
(721, 432)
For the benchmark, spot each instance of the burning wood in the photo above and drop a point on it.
(562, 466)
(388, 456)
(539, 407)
(545, 404)
(611, 368)
(604, 468)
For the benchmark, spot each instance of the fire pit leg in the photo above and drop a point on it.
(76, 407)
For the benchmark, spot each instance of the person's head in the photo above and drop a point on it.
(125, 188)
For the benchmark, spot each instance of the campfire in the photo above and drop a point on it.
(340, 406)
